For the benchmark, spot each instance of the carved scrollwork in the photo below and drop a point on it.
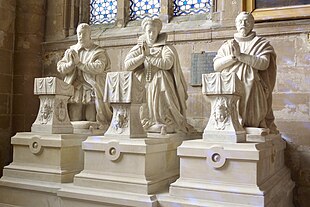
(120, 120)
(221, 113)
(46, 111)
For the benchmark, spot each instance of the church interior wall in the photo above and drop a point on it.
(7, 33)
(290, 38)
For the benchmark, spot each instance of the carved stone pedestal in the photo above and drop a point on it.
(124, 171)
(53, 113)
(41, 163)
(232, 174)
(124, 167)
(126, 94)
(46, 157)
(223, 90)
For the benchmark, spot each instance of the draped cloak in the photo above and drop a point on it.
(166, 89)
(255, 106)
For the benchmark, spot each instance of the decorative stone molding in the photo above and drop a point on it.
(35, 145)
(216, 157)
(112, 150)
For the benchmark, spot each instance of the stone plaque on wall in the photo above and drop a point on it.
(202, 63)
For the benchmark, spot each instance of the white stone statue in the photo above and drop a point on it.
(253, 59)
(85, 65)
(157, 66)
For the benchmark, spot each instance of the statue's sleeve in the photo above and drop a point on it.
(223, 59)
(97, 65)
(164, 62)
(257, 62)
(65, 65)
(134, 59)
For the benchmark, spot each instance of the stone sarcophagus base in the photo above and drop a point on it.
(231, 174)
(42, 163)
(127, 171)
(125, 167)
(42, 157)
(46, 157)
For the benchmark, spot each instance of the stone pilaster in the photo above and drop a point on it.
(166, 10)
(122, 13)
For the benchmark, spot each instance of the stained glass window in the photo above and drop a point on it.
(140, 9)
(103, 11)
(185, 7)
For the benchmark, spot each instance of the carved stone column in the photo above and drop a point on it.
(223, 90)
(53, 113)
(126, 94)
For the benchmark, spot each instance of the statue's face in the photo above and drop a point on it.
(220, 115)
(83, 36)
(244, 25)
(151, 32)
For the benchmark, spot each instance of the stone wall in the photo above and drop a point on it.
(7, 34)
(30, 22)
(289, 38)
(21, 35)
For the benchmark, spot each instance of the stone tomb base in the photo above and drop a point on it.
(46, 157)
(41, 164)
(240, 174)
(124, 172)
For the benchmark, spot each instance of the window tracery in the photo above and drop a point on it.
(186, 7)
(103, 11)
(140, 9)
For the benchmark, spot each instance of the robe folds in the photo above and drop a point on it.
(88, 78)
(166, 89)
(255, 106)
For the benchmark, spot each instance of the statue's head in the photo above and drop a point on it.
(83, 33)
(220, 113)
(151, 27)
(244, 23)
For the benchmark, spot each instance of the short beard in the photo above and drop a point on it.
(243, 32)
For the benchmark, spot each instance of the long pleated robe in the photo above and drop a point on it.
(166, 89)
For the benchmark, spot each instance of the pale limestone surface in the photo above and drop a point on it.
(253, 59)
(125, 166)
(157, 66)
(85, 65)
(53, 115)
(123, 172)
(224, 91)
(45, 157)
(229, 167)
(126, 94)
(232, 174)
